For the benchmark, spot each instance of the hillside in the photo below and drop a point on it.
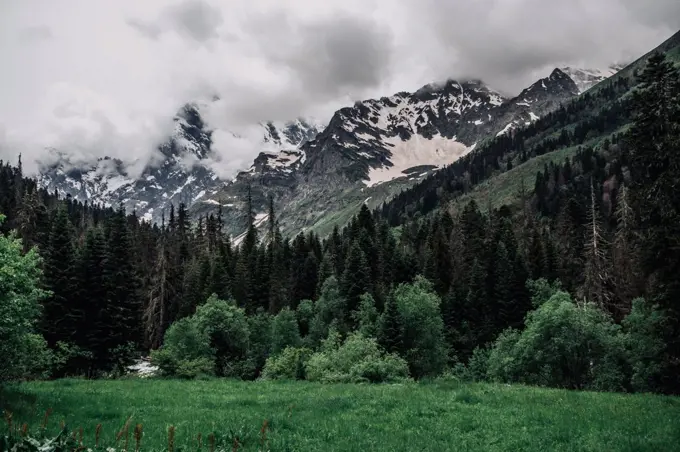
(588, 119)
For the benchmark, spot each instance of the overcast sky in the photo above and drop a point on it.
(105, 77)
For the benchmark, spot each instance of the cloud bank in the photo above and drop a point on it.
(105, 78)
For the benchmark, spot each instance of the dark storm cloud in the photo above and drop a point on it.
(330, 56)
(342, 54)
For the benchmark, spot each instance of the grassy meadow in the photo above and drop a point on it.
(301, 416)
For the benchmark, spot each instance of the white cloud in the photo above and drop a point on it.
(95, 78)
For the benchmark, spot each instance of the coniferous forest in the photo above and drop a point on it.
(575, 286)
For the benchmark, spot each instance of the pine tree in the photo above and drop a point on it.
(626, 272)
(654, 142)
(162, 294)
(356, 278)
(596, 272)
(326, 269)
(61, 313)
(251, 238)
(502, 300)
(95, 328)
(476, 311)
(122, 284)
(389, 328)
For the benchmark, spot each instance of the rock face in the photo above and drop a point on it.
(587, 78)
(318, 177)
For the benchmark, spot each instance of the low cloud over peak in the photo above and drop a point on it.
(106, 78)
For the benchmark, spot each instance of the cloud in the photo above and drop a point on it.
(195, 19)
(35, 34)
(107, 77)
(509, 43)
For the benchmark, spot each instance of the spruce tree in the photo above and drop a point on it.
(654, 142)
(122, 284)
(61, 313)
(356, 278)
(389, 328)
(502, 302)
(94, 294)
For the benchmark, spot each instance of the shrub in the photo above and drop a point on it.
(67, 355)
(20, 296)
(358, 359)
(563, 345)
(32, 358)
(186, 351)
(644, 331)
(304, 314)
(330, 309)
(226, 326)
(366, 317)
(423, 341)
(285, 331)
(194, 368)
(287, 365)
(259, 347)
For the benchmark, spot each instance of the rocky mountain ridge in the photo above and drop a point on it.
(317, 175)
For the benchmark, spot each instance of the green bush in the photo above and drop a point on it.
(563, 345)
(422, 335)
(194, 368)
(20, 296)
(285, 331)
(186, 351)
(330, 309)
(304, 314)
(66, 356)
(227, 328)
(644, 331)
(358, 359)
(287, 365)
(32, 358)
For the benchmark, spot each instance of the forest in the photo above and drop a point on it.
(576, 287)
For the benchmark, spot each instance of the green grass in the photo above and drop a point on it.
(314, 417)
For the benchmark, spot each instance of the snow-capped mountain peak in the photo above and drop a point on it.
(587, 78)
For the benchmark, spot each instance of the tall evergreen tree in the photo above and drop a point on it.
(356, 278)
(654, 141)
(60, 313)
(121, 282)
(390, 328)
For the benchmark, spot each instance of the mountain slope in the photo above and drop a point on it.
(183, 173)
(587, 120)
(378, 147)
(587, 78)
(368, 152)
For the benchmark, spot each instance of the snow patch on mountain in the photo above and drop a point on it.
(416, 151)
(587, 78)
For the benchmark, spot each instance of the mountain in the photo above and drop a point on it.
(376, 148)
(502, 168)
(317, 176)
(587, 78)
(182, 174)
